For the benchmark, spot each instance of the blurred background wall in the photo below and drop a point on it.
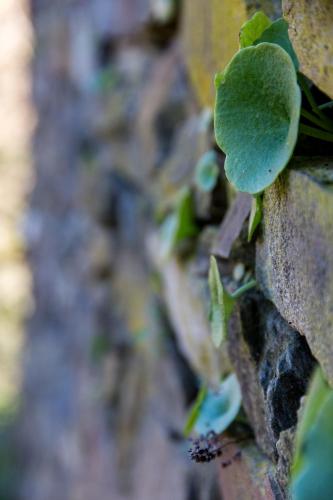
(92, 94)
(15, 135)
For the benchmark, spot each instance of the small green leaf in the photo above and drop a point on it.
(194, 411)
(219, 409)
(253, 29)
(207, 172)
(277, 33)
(186, 216)
(180, 224)
(256, 117)
(221, 304)
(255, 216)
(312, 470)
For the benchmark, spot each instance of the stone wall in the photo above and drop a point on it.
(119, 338)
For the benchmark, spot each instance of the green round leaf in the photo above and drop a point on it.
(220, 408)
(253, 29)
(207, 172)
(257, 115)
(277, 32)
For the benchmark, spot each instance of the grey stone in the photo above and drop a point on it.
(273, 364)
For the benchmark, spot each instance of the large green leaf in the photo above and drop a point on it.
(312, 469)
(257, 113)
(220, 408)
(277, 33)
(253, 29)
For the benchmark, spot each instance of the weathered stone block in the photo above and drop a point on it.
(294, 255)
(310, 30)
(210, 36)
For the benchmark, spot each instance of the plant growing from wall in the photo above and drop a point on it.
(258, 108)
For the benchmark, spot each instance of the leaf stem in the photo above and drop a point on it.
(243, 289)
(316, 120)
(326, 105)
(314, 132)
(307, 92)
(194, 411)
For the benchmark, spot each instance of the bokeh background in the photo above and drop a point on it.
(95, 104)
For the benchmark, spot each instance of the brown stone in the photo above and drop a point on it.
(232, 224)
(310, 30)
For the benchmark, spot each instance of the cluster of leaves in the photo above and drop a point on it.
(258, 107)
(216, 410)
(313, 458)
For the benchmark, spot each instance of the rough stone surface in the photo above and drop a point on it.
(273, 364)
(294, 254)
(210, 37)
(244, 474)
(310, 30)
(285, 449)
